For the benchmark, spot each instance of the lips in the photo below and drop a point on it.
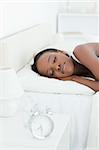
(62, 68)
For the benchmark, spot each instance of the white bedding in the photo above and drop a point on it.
(79, 107)
(33, 82)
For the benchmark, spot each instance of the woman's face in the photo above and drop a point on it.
(55, 64)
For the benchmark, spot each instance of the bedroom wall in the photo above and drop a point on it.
(15, 16)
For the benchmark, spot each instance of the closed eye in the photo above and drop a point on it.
(54, 60)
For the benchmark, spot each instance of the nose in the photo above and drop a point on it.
(58, 67)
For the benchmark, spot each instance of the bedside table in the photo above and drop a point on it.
(15, 136)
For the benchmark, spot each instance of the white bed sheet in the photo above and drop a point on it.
(78, 106)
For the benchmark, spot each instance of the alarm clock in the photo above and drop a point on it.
(41, 126)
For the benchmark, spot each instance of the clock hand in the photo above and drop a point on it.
(40, 128)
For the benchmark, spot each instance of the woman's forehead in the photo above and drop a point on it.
(44, 56)
(42, 63)
(47, 54)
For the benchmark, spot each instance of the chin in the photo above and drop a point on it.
(69, 73)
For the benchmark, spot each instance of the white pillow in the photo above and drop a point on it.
(33, 82)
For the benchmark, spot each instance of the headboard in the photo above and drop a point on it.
(17, 49)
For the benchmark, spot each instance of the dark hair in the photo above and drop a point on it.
(34, 66)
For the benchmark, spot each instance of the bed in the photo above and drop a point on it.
(69, 97)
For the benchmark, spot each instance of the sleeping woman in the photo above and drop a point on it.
(84, 62)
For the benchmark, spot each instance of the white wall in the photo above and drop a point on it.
(16, 15)
(72, 23)
(79, 6)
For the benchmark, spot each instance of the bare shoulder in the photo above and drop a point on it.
(87, 47)
(88, 54)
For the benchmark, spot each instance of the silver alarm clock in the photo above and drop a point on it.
(40, 123)
(41, 126)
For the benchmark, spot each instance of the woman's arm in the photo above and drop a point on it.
(88, 82)
(88, 54)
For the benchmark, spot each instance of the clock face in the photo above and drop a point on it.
(41, 126)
